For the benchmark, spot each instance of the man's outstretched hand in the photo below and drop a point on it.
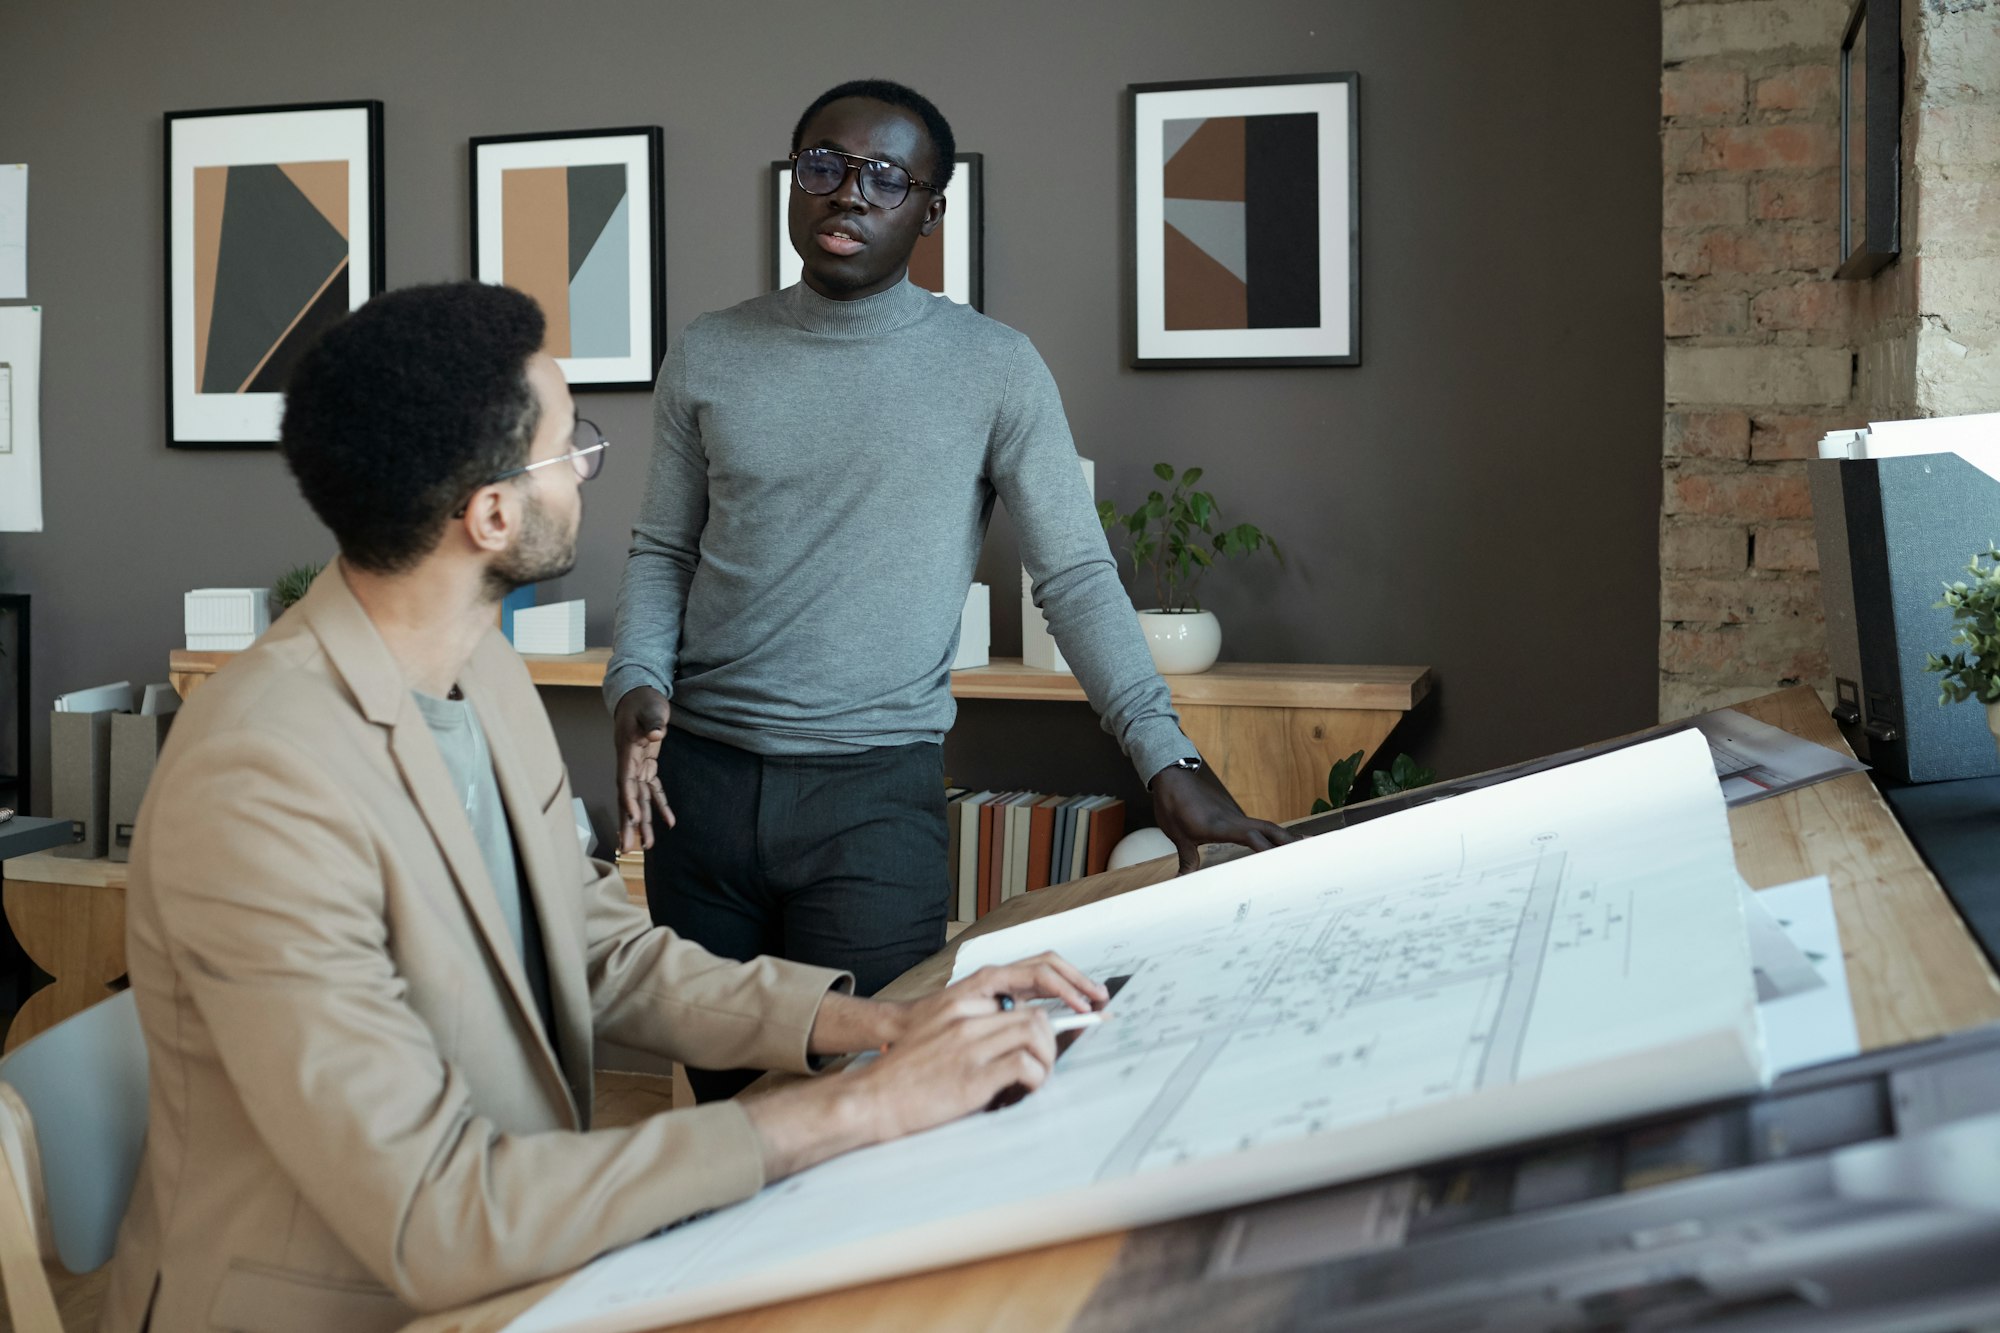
(1193, 807)
(638, 727)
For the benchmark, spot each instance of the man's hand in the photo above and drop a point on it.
(1193, 807)
(947, 1055)
(638, 726)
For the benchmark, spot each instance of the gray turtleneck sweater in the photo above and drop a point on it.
(821, 480)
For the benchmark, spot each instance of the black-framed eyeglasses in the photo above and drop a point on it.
(883, 184)
(587, 447)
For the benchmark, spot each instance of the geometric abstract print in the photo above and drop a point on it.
(1241, 216)
(270, 269)
(566, 235)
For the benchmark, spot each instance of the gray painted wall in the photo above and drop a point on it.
(1480, 495)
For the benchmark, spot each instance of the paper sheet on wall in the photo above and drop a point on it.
(1536, 957)
(13, 231)
(20, 419)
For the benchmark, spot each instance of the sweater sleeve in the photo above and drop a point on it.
(1033, 466)
(666, 541)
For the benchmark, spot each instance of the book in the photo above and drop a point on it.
(1041, 832)
(988, 843)
(1023, 828)
(952, 796)
(1059, 872)
(1081, 839)
(1107, 826)
(965, 870)
(1016, 877)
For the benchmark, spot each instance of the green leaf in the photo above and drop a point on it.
(1191, 476)
(1340, 781)
(1164, 471)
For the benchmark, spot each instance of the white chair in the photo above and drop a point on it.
(72, 1124)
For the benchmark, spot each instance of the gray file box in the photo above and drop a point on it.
(80, 751)
(136, 739)
(1892, 532)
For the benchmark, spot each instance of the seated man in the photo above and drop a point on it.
(370, 959)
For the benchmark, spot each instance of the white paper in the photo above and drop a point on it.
(1754, 759)
(1975, 438)
(1524, 960)
(1816, 1025)
(13, 231)
(21, 431)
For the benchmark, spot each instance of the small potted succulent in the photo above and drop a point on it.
(1974, 671)
(1175, 534)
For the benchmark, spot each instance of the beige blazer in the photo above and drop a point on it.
(355, 1113)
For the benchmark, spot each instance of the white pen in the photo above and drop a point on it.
(1070, 1021)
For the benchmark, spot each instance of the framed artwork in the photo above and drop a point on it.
(274, 231)
(950, 261)
(1871, 114)
(574, 220)
(1246, 231)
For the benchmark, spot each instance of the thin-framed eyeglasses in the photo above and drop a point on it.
(587, 447)
(883, 184)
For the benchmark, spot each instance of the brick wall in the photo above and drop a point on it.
(1764, 350)
(1760, 341)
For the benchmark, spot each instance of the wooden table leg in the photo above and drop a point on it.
(75, 933)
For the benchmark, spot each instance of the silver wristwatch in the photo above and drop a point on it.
(1192, 764)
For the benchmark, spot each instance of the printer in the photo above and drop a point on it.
(1899, 509)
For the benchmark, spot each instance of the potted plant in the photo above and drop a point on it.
(1973, 672)
(292, 585)
(1175, 534)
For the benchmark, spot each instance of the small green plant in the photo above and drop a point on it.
(1974, 606)
(1405, 774)
(1174, 533)
(292, 585)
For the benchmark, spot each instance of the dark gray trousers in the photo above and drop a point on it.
(836, 860)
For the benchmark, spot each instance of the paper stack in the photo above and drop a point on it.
(555, 628)
(226, 619)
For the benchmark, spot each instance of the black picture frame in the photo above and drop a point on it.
(640, 146)
(1336, 341)
(17, 769)
(1871, 63)
(278, 136)
(964, 281)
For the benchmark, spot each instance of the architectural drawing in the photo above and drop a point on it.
(1507, 963)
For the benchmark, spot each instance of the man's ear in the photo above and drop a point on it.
(932, 215)
(489, 521)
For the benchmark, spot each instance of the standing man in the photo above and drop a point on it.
(825, 463)
(371, 960)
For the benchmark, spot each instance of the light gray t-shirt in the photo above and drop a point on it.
(821, 479)
(462, 742)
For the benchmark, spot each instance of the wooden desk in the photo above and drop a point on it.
(1271, 731)
(1912, 966)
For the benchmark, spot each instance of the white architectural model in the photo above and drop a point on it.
(1540, 956)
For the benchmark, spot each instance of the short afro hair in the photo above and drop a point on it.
(405, 407)
(944, 148)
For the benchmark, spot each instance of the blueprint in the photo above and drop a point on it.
(1517, 961)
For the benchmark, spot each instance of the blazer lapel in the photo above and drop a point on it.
(383, 695)
(553, 893)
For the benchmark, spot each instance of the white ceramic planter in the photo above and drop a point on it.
(1183, 643)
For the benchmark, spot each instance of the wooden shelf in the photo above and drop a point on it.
(1227, 684)
(1271, 730)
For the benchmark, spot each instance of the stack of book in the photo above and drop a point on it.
(1007, 843)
